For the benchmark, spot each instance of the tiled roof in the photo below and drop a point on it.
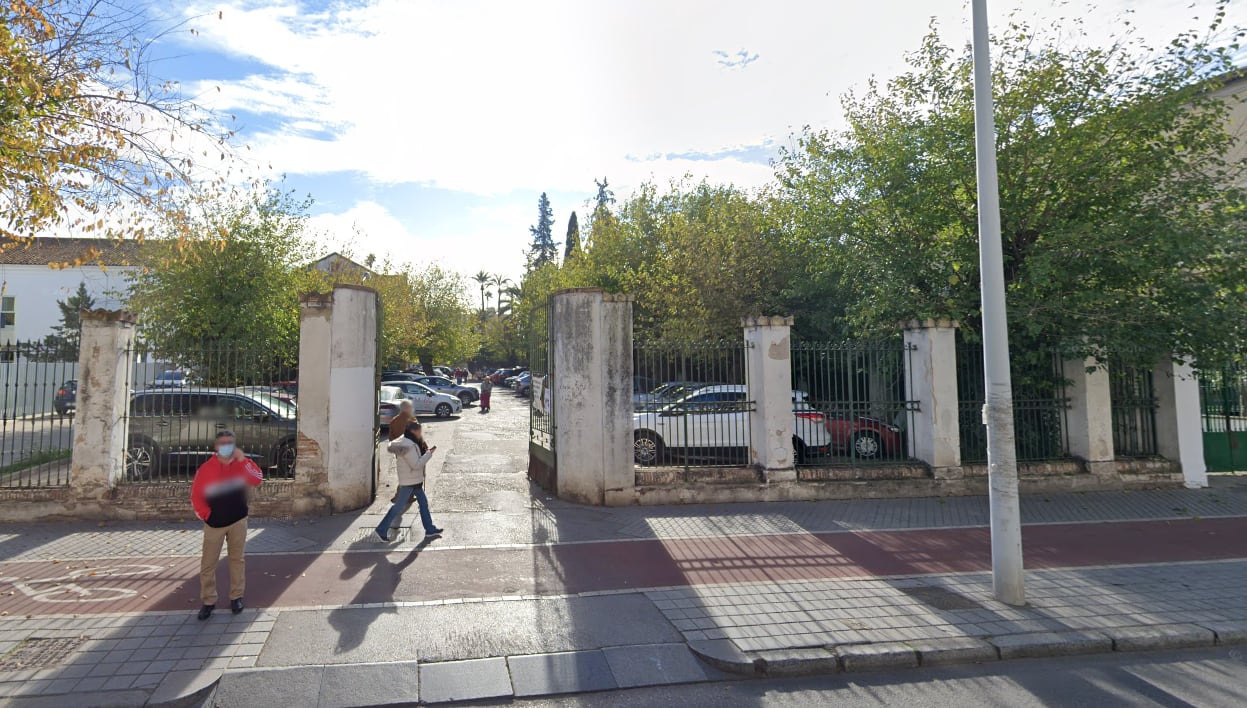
(43, 251)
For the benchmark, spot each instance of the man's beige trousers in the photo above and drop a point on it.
(236, 535)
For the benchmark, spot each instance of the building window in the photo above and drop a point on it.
(8, 312)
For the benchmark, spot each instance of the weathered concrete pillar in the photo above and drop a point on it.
(1179, 435)
(768, 372)
(591, 389)
(103, 394)
(337, 399)
(1090, 416)
(934, 434)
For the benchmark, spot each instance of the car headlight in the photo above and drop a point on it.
(894, 429)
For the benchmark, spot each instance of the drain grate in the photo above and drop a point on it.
(40, 653)
(942, 598)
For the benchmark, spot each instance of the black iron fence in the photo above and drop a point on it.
(1134, 409)
(1223, 414)
(691, 403)
(849, 403)
(175, 411)
(38, 398)
(1040, 406)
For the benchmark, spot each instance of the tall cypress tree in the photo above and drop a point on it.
(572, 244)
(63, 342)
(544, 248)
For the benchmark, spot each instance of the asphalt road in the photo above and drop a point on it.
(19, 438)
(1212, 678)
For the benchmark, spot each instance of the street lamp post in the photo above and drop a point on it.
(1006, 521)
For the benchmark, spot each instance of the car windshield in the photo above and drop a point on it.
(278, 406)
(390, 393)
(169, 376)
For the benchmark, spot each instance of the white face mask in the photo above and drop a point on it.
(226, 450)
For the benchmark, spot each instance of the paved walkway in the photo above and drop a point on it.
(547, 597)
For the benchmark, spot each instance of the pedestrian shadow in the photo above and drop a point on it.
(352, 622)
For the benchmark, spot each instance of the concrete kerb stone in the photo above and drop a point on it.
(1163, 636)
(877, 656)
(1228, 631)
(953, 650)
(1032, 645)
(797, 662)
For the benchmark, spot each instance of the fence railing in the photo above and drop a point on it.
(1040, 407)
(38, 398)
(1134, 409)
(175, 412)
(1223, 415)
(849, 403)
(691, 404)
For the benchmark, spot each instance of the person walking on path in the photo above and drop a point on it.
(487, 386)
(219, 497)
(412, 455)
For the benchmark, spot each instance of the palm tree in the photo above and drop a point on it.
(500, 283)
(505, 307)
(484, 279)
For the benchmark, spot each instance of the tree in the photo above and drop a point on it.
(1122, 213)
(230, 297)
(62, 344)
(500, 283)
(482, 278)
(87, 135)
(572, 244)
(544, 249)
(449, 337)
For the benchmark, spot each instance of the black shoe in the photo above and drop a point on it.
(205, 612)
(236, 605)
(433, 533)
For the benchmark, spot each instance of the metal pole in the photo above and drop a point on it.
(1006, 520)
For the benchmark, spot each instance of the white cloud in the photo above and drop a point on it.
(489, 97)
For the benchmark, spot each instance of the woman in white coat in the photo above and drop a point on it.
(413, 454)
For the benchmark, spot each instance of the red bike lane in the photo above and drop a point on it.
(370, 576)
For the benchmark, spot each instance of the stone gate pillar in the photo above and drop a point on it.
(337, 399)
(591, 387)
(934, 434)
(1179, 431)
(768, 373)
(1090, 419)
(103, 394)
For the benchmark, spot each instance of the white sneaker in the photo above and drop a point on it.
(382, 539)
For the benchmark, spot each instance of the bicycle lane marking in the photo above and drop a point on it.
(364, 577)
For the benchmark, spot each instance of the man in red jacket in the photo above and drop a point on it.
(219, 495)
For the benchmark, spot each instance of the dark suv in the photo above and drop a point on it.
(66, 400)
(179, 427)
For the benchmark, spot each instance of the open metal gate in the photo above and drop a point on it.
(542, 454)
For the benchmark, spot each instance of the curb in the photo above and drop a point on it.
(724, 655)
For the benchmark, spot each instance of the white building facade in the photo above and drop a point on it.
(31, 285)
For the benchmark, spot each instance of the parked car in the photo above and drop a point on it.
(441, 384)
(174, 427)
(713, 421)
(171, 379)
(665, 393)
(426, 400)
(398, 376)
(501, 375)
(66, 400)
(524, 384)
(278, 393)
(387, 405)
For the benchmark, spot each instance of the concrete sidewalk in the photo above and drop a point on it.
(70, 645)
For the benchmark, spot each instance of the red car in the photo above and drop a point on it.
(864, 438)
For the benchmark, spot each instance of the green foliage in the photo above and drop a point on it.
(62, 344)
(449, 335)
(234, 285)
(544, 249)
(1121, 207)
(571, 246)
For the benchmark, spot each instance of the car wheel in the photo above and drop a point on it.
(866, 446)
(442, 410)
(141, 457)
(287, 455)
(647, 448)
(465, 398)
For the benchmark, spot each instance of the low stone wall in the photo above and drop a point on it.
(168, 501)
(658, 486)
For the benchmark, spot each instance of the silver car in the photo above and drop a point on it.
(426, 400)
(441, 384)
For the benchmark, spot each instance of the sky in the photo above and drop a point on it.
(426, 130)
